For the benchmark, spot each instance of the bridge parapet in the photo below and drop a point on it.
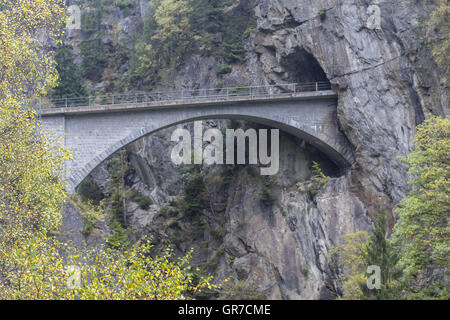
(188, 96)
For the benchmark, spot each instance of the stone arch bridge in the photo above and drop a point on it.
(96, 127)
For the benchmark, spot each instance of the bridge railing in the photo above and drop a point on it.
(197, 94)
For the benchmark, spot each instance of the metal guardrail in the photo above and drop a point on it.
(250, 91)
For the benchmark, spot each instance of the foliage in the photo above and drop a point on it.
(266, 195)
(115, 201)
(174, 29)
(193, 201)
(34, 268)
(170, 31)
(227, 174)
(223, 69)
(437, 32)
(30, 165)
(166, 37)
(322, 13)
(235, 25)
(90, 191)
(420, 244)
(142, 64)
(135, 275)
(92, 48)
(219, 30)
(30, 173)
(381, 252)
(168, 212)
(250, 30)
(143, 201)
(241, 290)
(305, 271)
(33, 264)
(39, 271)
(90, 212)
(119, 239)
(27, 67)
(422, 231)
(349, 260)
(317, 181)
(360, 250)
(71, 83)
(125, 5)
(173, 32)
(318, 177)
(206, 21)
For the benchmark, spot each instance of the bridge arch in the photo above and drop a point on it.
(94, 135)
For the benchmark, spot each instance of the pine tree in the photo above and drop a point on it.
(71, 83)
(422, 231)
(206, 20)
(194, 192)
(437, 33)
(380, 252)
(94, 52)
(173, 33)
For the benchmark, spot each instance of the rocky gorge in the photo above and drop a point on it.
(273, 235)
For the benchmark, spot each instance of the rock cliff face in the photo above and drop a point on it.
(386, 85)
(382, 94)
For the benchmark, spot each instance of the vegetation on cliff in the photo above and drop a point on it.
(437, 33)
(166, 34)
(33, 264)
(414, 261)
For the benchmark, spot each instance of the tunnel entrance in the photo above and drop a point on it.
(303, 67)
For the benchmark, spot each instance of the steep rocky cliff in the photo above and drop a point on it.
(386, 84)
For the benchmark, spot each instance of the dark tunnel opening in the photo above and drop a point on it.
(303, 67)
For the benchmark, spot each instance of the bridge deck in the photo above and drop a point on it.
(187, 103)
(186, 98)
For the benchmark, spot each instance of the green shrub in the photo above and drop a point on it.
(237, 25)
(90, 212)
(322, 13)
(318, 177)
(248, 32)
(125, 5)
(305, 272)
(90, 191)
(218, 233)
(220, 251)
(194, 192)
(266, 195)
(119, 240)
(93, 51)
(143, 201)
(168, 211)
(71, 84)
(241, 290)
(223, 69)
